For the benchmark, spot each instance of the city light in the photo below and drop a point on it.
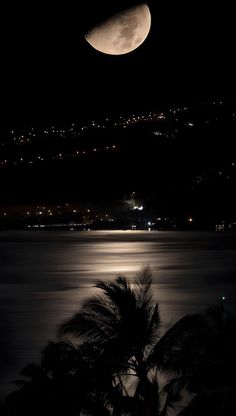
(138, 207)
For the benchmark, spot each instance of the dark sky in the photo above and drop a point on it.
(49, 72)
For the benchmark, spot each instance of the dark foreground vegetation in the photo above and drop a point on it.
(112, 359)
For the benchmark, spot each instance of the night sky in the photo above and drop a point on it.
(52, 76)
(49, 72)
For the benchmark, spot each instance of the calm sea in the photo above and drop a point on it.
(44, 276)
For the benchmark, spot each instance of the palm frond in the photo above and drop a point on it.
(119, 293)
(87, 327)
(170, 352)
(100, 306)
(143, 281)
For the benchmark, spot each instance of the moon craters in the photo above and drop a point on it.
(123, 32)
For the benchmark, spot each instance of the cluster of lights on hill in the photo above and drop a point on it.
(58, 156)
(225, 173)
(19, 146)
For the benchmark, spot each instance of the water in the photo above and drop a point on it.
(45, 275)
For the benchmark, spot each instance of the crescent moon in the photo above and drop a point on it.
(123, 32)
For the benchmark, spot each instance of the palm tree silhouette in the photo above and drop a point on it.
(113, 362)
(64, 383)
(123, 326)
(213, 380)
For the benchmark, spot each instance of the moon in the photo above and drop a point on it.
(123, 32)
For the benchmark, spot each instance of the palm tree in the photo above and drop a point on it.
(64, 383)
(213, 381)
(123, 326)
(35, 395)
(112, 366)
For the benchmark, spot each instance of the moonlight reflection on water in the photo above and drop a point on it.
(45, 276)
